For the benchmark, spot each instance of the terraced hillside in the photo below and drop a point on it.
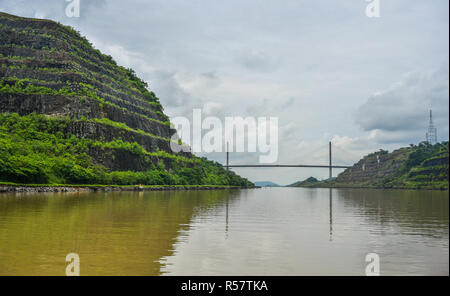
(422, 166)
(431, 173)
(70, 114)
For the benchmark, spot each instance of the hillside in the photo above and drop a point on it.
(70, 115)
(311, 181)
(430, 173)
(266, 184)
(420, 166)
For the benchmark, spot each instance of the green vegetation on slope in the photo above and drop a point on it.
(70, 115)
(311, 181)
(421, 166)
(426, 168)
(36, 149)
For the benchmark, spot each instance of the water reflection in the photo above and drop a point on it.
(331, 213)
(424, 212)
(281, 231)
(116, 233)
(278, 231)
(226, 219)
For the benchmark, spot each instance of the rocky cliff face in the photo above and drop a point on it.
(375, 168)
(433, 170)
(423, 166)
(47, 68)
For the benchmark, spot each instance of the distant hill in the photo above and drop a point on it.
(305, 183)
(266, 184)
(422, 166)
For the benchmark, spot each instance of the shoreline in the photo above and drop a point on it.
(8, 188)
(372, 187)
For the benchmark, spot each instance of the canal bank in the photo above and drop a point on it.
(357, 186)
(93, 188)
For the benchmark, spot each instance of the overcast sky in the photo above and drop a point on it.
(324, 68)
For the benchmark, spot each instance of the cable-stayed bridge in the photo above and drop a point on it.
(330, 165)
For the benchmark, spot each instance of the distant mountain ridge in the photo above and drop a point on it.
(305, 183)
(266, 184)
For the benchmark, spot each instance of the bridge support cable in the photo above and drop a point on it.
(228, 157)
(331, 168)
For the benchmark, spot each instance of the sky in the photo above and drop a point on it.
(325, 69)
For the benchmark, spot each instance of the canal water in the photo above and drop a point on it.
(273, 231)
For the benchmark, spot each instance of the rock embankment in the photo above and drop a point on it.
(373, 169)
(423, 166)
(42, 189)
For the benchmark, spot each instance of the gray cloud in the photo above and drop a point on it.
(402, 110)
(311, 63)
(168, 89)
(257, 60)
(52, 9)
(270, 107)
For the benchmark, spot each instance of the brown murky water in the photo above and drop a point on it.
(277, 231)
